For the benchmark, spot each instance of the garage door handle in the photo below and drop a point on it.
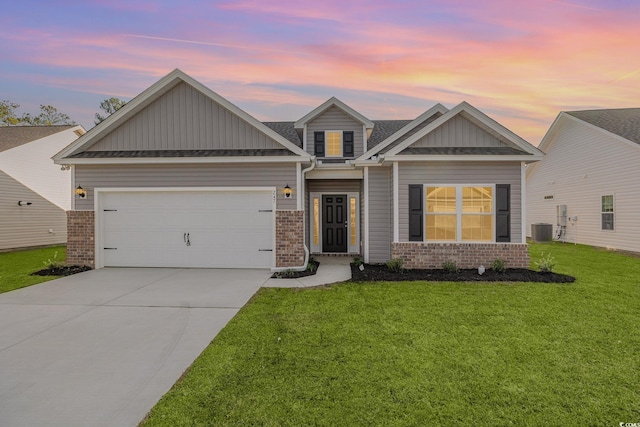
(110, 249)
(265, 250)
(265, 210)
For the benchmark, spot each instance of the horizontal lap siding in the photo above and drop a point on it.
(458, 132)
(460, 173)
(581, 165)
(25, 226)
(380, 214)
(336, 119)
(184, 119)
(215, 175)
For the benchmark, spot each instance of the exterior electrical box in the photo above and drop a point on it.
(561, 213)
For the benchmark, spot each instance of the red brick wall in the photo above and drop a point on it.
(466, 255)
(80, 238)
(289, 238)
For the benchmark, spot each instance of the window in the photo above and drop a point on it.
(459, 213)
(333, 143)
(607, 212)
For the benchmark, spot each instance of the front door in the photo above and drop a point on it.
(334, 223)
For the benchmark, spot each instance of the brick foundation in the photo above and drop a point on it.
(466, 255)
(289, 238)
(80, 238)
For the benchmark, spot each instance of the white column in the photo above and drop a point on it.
(366, 214)
(523, 200)
(396, 223)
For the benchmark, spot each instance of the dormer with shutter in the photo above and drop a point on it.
(334, 132)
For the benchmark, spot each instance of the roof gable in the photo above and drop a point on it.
(488, 139)
(624, 122)
(177, 113)
(330, 103)
(15, 136)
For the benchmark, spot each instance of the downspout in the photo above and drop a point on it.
(306, 250)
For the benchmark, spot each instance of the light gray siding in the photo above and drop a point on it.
(184, 119)
(458, 132)
(187, 175)
(581, 165)
(380, 214)
(335, 119)
(26, 226)
(460, 173)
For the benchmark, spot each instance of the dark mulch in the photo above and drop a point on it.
(64, 270)
(380, 272)
(312, 268)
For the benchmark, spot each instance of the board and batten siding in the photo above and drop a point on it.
(460, 173)
(28, 226)
(187, 175)
(184, 119)
(336, 119)
(458, 132)
(380, 214)
(581, 165)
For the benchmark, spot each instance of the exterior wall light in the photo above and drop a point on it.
(481, 270)
(287, 191)
(81, 192)
(21, 203)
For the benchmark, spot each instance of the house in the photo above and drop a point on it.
(588, 187)
(34, 193)
(181, 177)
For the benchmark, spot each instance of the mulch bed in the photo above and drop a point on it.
(380, 272)
(64, 270)
(290, 274)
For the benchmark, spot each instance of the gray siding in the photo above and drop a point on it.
(184, 119)
(26, 226)
(458, 132)
(335, 119)
(380, 214)
(187, 175)
(460, 173)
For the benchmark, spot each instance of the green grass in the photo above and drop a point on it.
(416, 353)
(16, 267)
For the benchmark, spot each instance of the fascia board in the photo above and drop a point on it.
(333, 101)
(175, 160)
(463, 158)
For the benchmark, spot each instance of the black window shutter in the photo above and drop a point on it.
(318, 144)
(416, 232)
(503, 214)
(347, 144)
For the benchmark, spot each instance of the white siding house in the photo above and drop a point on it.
(591, 167)
(34, 192)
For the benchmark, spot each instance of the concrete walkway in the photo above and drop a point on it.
(100, 348)
(332, 269)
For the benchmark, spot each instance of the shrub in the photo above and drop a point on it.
(499, 266)
(546, 263)
(450, 267)
(395, 265)
(53, 263)
(312, 265)
(357, 261)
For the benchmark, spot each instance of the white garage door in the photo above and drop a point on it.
(203, 229)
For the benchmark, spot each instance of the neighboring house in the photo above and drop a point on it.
(591, 167)
(34, 192)
(181, 177)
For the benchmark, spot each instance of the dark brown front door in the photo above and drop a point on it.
(334, 223)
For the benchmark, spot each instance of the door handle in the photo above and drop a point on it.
(188, 240)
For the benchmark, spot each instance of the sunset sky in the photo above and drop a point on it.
(520, 62)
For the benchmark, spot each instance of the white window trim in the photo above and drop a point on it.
(459, 213)
(612, 212)
(326, 141)
(351, 249)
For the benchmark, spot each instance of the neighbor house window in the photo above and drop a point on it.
(607, 212)
(333, 143)
(459, 213)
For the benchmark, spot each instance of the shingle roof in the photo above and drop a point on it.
(383, 129)
(411, 132)
(463, 150)
(180, 153)
(15, 136)
(286, 130)
(624, 122)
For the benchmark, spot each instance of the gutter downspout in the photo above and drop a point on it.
(306, 250)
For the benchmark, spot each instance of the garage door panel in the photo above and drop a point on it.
(226, 229)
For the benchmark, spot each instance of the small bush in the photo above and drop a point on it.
(499, 266)
(53, 263)
(395, 265)
(450, 267)
(357, 261)
(312, 265)
(546, 263)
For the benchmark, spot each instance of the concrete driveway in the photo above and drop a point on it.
(100, 348)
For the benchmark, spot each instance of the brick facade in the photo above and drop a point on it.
(466, 255)
(80, 238)
(289, 238)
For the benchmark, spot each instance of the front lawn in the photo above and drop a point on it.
(417, 353)
(16, 267)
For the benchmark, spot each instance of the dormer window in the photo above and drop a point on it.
(333, 143)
